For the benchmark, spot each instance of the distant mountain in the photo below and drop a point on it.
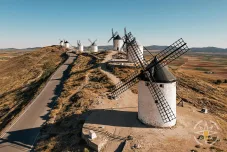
(34, 48)
(7, 49)
(162, 47)
(209, 49)
(156, 47)
(107, 47)
(153, 47)
(15, 49)
(194, 49)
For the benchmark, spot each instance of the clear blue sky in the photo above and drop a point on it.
(30, 23)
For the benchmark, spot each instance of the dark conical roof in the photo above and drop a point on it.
(162, 74)
(117, 37)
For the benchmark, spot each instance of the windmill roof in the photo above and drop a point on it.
(117, 37)
(162, 74)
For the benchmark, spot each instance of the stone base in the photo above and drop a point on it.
(96, 143)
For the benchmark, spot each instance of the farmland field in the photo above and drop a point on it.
(206, 67)
(209, 67)
(6, 55)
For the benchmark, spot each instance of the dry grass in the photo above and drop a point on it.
(23, 69)
(22, 77)
(101, 55)
(202, 93)
(124, 72)
(9, 54)
(198, 87)
(85, 83)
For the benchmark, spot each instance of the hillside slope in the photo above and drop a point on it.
(22, 77)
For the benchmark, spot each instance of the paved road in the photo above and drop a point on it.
(22, 134)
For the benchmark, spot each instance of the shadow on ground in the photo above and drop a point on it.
(67, 130)
(21, 139)
(115, 118)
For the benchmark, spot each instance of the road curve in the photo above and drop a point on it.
(22, 134)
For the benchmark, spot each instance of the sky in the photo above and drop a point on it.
(35, 23)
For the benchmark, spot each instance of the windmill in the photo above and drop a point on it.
(66, 43)
(93, 46)
(129, 47)
(157, 86)
(80, 47)
(61, 43)
(117, 41)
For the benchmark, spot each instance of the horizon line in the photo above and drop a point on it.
(104, 45)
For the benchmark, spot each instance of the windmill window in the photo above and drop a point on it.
(161, 85)
(147, 83)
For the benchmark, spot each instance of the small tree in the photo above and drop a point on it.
(218, 82)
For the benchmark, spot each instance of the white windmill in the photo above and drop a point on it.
(80, 47)
(129, 48)
(157, 86)
(93, 46)
(66, 43)
(61, 43)
(117, 41)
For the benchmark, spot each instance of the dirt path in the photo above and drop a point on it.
(126, 105)
(37, 78)
(127, 100)
(104, 69)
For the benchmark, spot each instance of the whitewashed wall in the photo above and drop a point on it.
(147, 110)
(81, 48)
(94, 48)
(140, 54)
(118, 44)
